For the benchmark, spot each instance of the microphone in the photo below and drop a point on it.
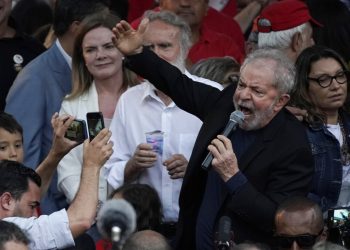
(224, 235)
(236, 118)
(116, 220)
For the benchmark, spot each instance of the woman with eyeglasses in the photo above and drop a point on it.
(322, 90)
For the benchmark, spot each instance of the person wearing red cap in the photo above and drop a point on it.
(286, 25)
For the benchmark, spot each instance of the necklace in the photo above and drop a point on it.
(344, 150)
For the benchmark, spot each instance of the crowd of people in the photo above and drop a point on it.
(168, 79)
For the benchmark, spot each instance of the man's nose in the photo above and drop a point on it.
(245, 94)
(295, 246)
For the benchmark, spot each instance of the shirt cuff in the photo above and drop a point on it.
(236, 182)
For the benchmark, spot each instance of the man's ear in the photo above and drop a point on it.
(297, 42)
(324, 234)
(74, 27)
(281, 102)
(7, 202)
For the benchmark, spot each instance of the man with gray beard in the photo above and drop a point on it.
(266, 159)
(144, 109)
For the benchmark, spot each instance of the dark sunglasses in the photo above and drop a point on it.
(303, 240)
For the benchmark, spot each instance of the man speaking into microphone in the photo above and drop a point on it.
(264, 161)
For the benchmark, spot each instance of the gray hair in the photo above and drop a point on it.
(284, 72)
(279, 39)
(172, 19)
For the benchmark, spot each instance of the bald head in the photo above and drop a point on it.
(146, 240)
(299, 215)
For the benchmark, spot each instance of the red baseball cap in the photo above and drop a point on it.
(284, 15)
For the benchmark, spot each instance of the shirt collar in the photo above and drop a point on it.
(64, 53)
(150, 94)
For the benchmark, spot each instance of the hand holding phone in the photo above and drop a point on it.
(95, 123)
(76, 131)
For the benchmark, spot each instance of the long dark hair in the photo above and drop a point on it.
(301, 97)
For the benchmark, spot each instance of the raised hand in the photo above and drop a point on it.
(98, 151)
(61, 145)
(128, 40)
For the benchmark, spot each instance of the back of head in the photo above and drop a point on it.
(146, 240)
(146, 203)
(216, 69)
(10, 232)
(14, 178)
(9, 123)
(174, 20)
(300, 206)
(67, 12)
(279, 21)
(284, 71)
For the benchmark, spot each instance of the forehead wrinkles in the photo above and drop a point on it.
(258, 71)
(159, 32)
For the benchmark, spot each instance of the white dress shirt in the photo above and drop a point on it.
(46, 231)
(139, 111)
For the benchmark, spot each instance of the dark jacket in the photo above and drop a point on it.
(278, 165)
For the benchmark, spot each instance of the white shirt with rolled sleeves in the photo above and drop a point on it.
(140, 110)
(46, 231)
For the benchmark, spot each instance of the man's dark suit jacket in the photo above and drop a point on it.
(279, 164)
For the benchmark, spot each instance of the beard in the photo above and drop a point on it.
(180, 62)
(258, 118)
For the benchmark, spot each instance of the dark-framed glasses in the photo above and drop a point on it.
(326, 80)
(304, 241)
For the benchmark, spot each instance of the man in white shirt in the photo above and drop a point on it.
(144, 109)
(20, 195)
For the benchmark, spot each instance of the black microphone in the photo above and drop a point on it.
(116, 220)
(236, 118)
(224, 235)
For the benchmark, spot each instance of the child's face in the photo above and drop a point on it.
(11, 146)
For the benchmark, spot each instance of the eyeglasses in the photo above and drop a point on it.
(326, 80)
(304, 241)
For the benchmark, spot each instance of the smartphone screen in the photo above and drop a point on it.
(95, 123)
(76, 131)
(338, 217)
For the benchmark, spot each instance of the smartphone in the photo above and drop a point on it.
(76, 131)
(338, 217)
(95, 123)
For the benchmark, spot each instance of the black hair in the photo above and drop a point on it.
(9, 123)
(14, 178)
(146, 203)
(10, 232)
(68, 11)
